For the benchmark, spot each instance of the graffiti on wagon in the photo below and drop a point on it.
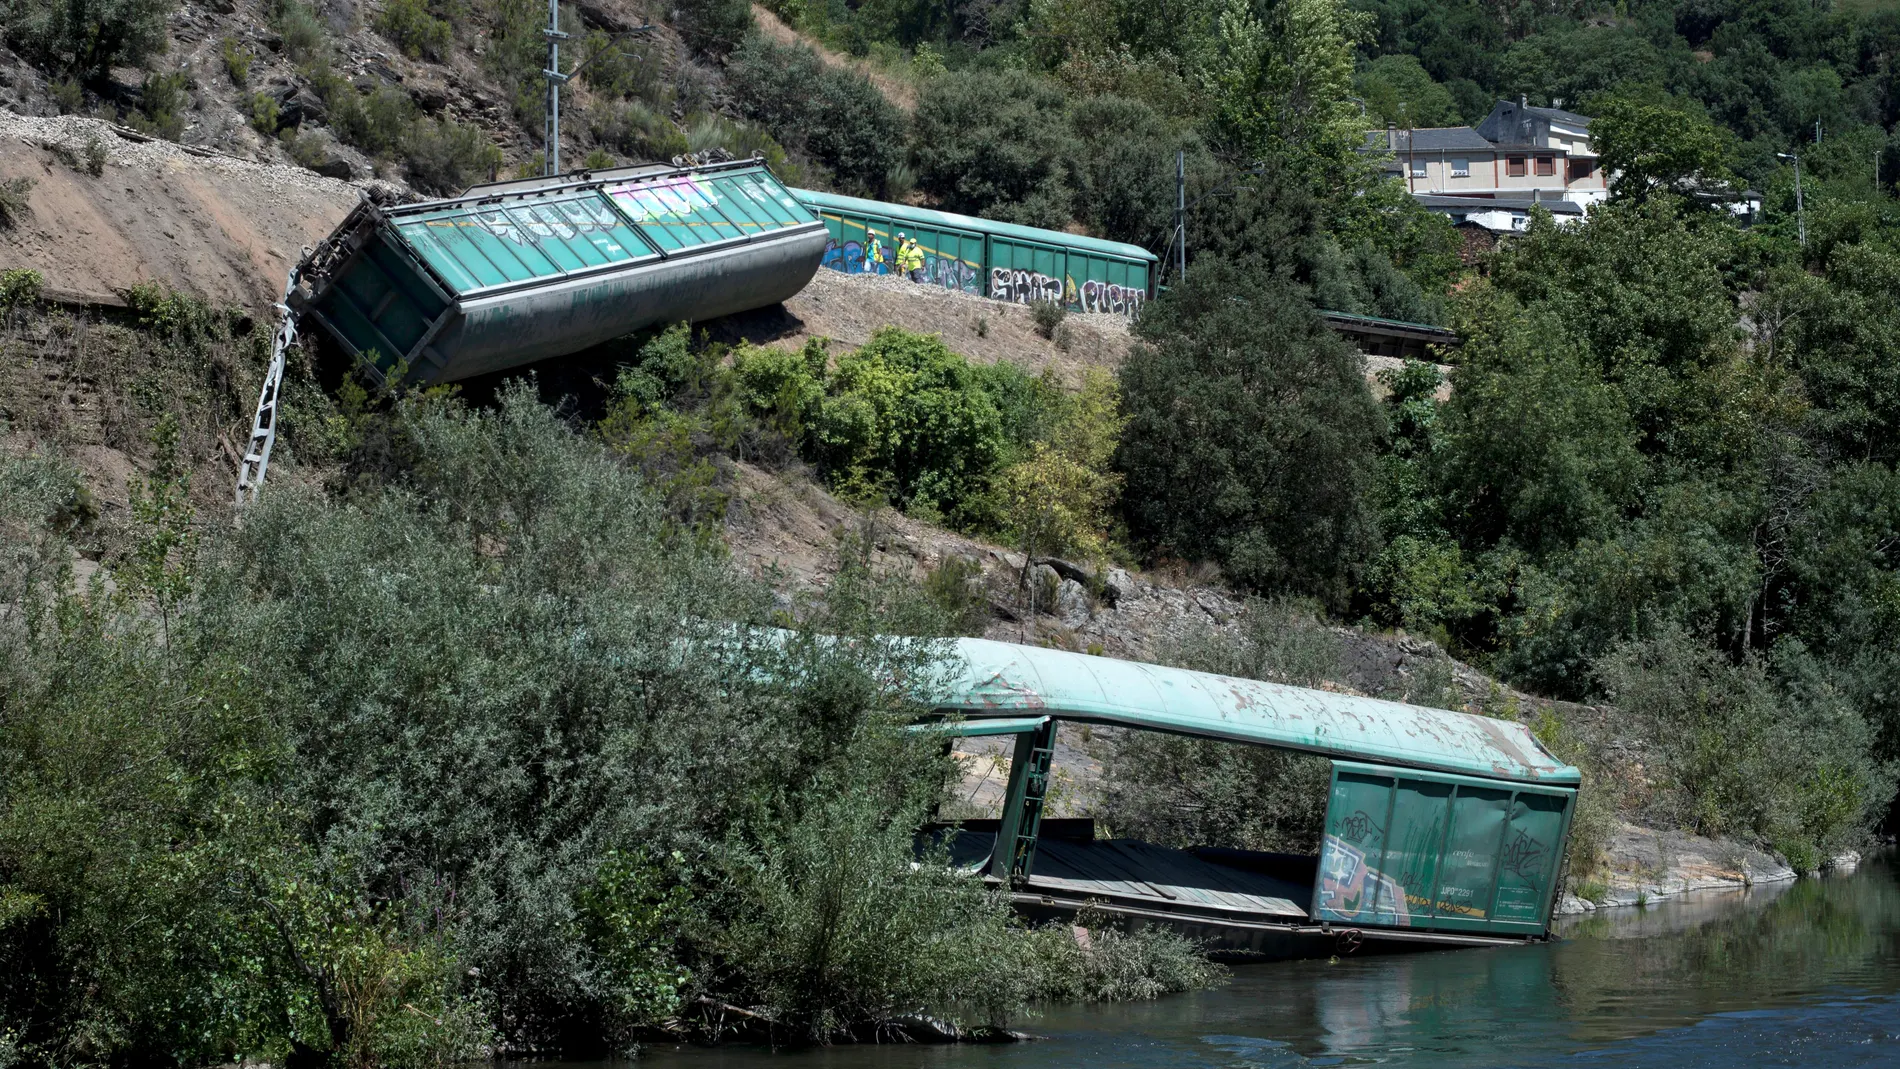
(874, 258)
(1028, 287)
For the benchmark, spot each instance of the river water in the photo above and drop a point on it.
(1792, 974)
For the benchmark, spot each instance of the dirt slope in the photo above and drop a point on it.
(901, 94)
(225, 229)
(848, 309)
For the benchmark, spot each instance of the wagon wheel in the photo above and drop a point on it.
(1349, 941)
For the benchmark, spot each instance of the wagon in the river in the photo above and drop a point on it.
(1442, 828)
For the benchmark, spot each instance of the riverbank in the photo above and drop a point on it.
(1796, 972)
(1642, 865)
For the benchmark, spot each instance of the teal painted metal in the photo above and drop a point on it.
(1406, 848)
(981, 256)
(515, 272)
(970, 729)
(1001, 680)
(1014, 855)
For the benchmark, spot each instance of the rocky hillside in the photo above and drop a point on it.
(110, 208)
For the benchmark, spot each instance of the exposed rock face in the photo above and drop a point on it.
(1648, 864)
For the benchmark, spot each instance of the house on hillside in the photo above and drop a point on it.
(1492, 175)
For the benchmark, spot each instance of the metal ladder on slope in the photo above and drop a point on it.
(256, 458)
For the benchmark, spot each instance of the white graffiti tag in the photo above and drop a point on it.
(1112, 297)
(1023, 287)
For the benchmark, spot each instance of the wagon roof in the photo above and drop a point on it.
(951, 220)
(1000, 679)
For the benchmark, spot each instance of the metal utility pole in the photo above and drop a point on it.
(555, 78)
(1180, 215)
(1800, 211)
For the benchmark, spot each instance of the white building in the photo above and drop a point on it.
(1519, 156)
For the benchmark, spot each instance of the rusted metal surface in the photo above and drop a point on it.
(1000, 679)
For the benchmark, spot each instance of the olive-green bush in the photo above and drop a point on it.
(1251, 436)
(834, 116)
(471, 755)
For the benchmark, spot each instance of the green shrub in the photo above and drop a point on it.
(13, 200)
(299, 29)
(906, 418)
(266, 114)
(1048, 315)
(845, 926)
(956, 585)
(833, 115)
(444, 156)
(631, 68)
(996, 144)
(412, 27)
(175, 318)
(784, 391)
(1114, 966)
(1765, 748)
(376, 122)
(237, 61)
(19, 291)
(88, 158)
(712, 27)
(1251, 438)
(306, 148)
(633, 128)
(163, 100)
(68, 96)
(86, 39)
(634, 914)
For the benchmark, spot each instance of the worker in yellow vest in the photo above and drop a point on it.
(874, 256)
(910, 258)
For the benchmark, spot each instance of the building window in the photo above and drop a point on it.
(1546, 165)
(1514, 166)
(1461, 168)
(1581, 169)
(1418, 167)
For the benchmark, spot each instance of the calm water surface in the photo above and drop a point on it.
(1801, 974)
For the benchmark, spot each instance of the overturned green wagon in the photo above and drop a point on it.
(1442, 828)
(515, 272)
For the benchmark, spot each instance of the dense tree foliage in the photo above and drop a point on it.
(833, 116)
(1250, 436)
(469, 754)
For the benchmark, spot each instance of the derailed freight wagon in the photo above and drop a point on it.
(1442, 828)
(1003, 261)
(515, 272)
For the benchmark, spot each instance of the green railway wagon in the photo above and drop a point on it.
(1002, 261)
(1442, 828)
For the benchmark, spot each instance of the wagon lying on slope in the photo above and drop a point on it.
(510, 273)
(1442, 828)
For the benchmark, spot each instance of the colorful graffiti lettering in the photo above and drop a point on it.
(951, 273)
(946, 271)
(1351, 890)
(1112, 297)
(1006, 284)
(849, 258)
(1026, 287)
